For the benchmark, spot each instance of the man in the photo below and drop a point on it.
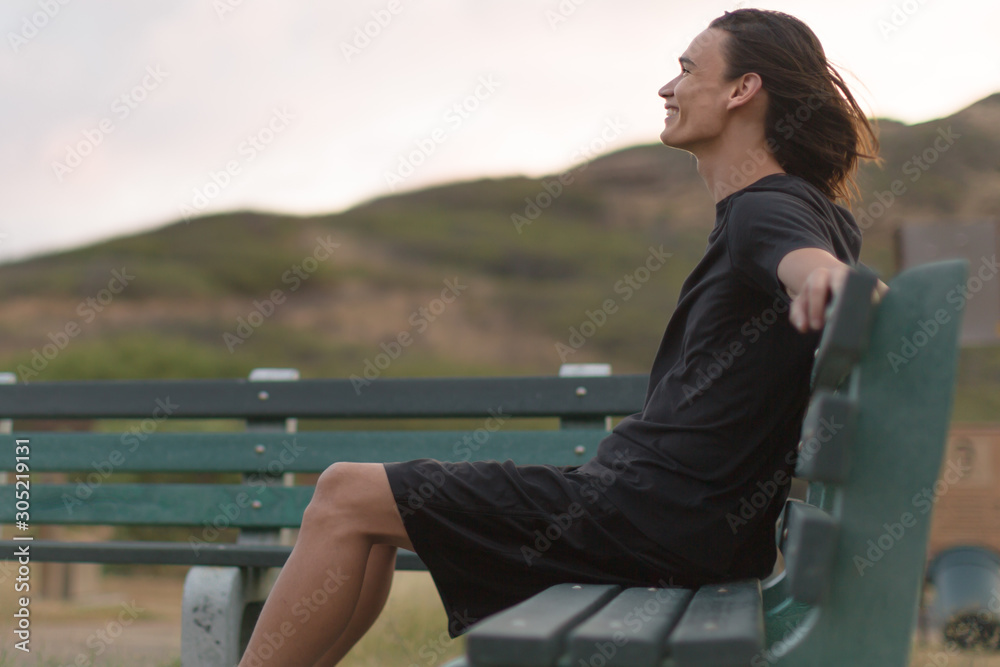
(686, 491)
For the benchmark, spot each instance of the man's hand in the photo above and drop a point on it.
(811, 276)
(809, 305)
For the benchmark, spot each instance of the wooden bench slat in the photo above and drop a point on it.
(169, 553)
(827, 437)
(214, 505)
(723, 626)
(327, 398)
(631, 630)
(103, 453)
(533, 633)
(845, 336)
(808, 542)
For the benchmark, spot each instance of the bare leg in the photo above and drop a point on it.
(374, 592)
(317, 593)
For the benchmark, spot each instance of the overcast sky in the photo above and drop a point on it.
(125, 115)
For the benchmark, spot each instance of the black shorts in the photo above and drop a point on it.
(493, 534)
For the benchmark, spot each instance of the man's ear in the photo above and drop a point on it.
(745, 89)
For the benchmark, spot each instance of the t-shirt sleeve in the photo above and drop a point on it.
(764, 227)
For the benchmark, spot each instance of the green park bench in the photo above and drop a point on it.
(854, 550)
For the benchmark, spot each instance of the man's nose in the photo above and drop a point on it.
(667, 90)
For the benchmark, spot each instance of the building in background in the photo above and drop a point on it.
(979, 298)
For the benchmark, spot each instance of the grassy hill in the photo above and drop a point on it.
(524, 260)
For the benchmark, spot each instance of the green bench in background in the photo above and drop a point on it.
(854, 551)
(225, 590)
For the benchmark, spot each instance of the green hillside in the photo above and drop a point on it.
(322, 293)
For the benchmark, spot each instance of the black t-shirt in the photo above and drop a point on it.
(705, 468)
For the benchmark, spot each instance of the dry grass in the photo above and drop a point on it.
(411, 630)
(937, 656)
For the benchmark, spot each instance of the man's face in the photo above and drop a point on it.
(696, 99)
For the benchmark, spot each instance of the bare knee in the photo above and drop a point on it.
(354, 498)
(340, 489)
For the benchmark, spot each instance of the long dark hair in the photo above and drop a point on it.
(814, 126)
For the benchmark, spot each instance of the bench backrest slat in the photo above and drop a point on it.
(214, 505)
(328, 398)
(101, 454)
(827, 437)
(845, 336)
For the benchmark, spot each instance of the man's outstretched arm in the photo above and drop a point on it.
(808, 275)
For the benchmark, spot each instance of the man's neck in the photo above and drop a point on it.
(727, 169)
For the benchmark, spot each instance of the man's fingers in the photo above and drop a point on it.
(797, 313)
(817, 291)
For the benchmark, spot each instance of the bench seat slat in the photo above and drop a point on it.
(722, 627)
(212, 505)
(533, 633)
(169, 553)
(297, 452)
(631, 631)
(392, 398)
